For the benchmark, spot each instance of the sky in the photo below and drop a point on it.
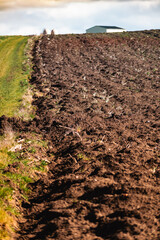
(20, 17)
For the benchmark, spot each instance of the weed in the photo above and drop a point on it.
(82, 156)
(5, 191)
(41, 166)
(155, 69)
(31, 150)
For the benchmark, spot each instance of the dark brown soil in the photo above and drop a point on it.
(98, 106)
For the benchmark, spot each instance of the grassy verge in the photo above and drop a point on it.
(20, 161)
(14, 73)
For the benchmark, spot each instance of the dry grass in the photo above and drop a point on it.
(8, 139)
(26, 110)
(6, 221)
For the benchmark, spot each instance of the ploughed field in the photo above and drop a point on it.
(97, 104)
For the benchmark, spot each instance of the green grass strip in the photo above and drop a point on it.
(13, 78)
(14, 74)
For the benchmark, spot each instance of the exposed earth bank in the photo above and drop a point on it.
(97, 104)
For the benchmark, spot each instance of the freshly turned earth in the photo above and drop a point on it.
(98, 106)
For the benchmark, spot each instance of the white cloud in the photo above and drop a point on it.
(146, 4)
(76, 17)
(2, 27)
